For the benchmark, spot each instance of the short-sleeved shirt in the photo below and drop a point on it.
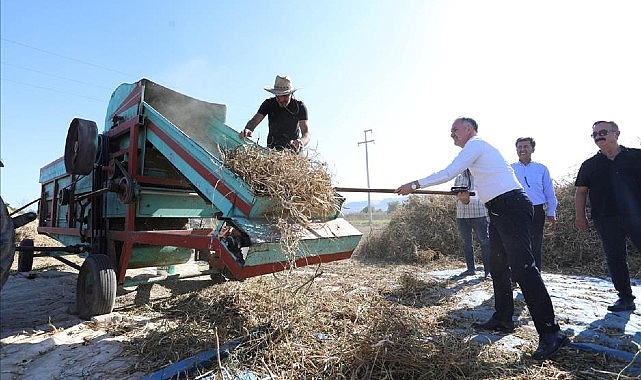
(474, 209)
(283, 121)
(614, 185)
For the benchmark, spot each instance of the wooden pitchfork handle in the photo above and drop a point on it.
(391, 191)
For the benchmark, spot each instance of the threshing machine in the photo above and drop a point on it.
(124, 199)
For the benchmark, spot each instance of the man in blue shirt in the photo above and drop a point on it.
(510, 212)
(537, 183)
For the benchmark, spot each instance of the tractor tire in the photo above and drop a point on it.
(25, 258)
(81, 146)
(96, 288)
(7, 243)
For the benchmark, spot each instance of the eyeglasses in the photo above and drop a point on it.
(601, 133)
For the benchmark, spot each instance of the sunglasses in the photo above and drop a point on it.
(601, 133)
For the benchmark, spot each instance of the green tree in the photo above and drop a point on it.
(393, 206)
(365, 210)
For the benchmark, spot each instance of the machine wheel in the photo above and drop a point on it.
(81, 146)
(96, 289)
(25, 258)
(7, 244)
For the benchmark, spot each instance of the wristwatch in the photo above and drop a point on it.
(414, 185)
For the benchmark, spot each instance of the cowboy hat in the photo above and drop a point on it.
(282, 86)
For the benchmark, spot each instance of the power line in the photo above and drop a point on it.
(65, 57)
(51, 89)
(53, 75)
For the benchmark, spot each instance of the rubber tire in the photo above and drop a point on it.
(81, 146)
(96, 288)
(7, 243)
(25, 258)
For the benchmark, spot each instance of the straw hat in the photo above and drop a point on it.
(282, 86)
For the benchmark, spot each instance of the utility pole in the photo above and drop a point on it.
(369, 202)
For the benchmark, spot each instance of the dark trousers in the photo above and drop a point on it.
(613, 230)
(510, 220)
(478, 226)
(536, 235)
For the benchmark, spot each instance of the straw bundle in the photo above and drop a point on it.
(300, 187)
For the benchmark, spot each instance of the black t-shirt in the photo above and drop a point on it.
(283, 121)
(614, 185)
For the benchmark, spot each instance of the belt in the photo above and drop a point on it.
(503, 196)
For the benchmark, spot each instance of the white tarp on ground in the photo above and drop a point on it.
(580, 304)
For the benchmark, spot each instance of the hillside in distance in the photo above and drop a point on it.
(377, 204)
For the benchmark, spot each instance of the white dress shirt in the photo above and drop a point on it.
(493, 175)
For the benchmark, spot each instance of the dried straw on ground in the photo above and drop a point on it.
(356, 321)
(360, 319)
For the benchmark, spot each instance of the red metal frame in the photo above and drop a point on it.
(204, 239)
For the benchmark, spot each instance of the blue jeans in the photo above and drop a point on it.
(510, 220)
(479, 226)
(612, 230)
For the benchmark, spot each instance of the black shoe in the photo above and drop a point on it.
(623, 304)
(494, 325)
(469, 272)
(549, 345)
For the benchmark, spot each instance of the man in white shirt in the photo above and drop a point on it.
(537, 183)
(510, 212)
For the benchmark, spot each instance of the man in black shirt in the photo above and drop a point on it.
(612, 180)
(287, 117)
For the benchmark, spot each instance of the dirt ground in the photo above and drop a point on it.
(41, 337)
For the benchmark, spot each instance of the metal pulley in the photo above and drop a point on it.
(81, 146)
(127, 190)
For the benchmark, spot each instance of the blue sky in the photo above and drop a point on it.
(405, 69)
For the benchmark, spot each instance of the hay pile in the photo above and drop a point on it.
(424, 227)
(421, 230)
(300, 187)
(307, 330)
(300, 190)
(30, 231)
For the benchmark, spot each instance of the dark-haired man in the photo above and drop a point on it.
(612, 180)
(537, 183)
